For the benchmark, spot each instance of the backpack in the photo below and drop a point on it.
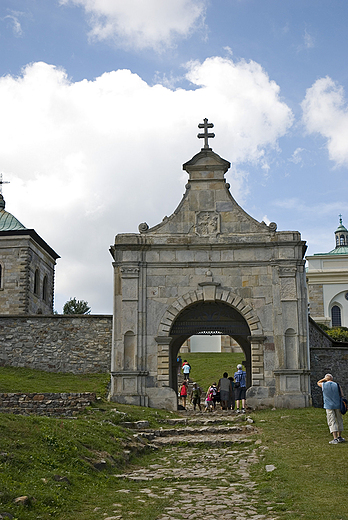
(343, 400)
(238, 378)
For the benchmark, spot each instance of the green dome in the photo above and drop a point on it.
(341, 227)
(7, 221)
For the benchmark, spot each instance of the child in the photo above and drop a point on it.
(215, 394)
(209, 400)
(183, 393)
(196, 397)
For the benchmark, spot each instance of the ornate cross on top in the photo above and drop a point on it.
(2, 182)
(206, 135)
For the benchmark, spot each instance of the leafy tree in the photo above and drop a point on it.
(74, 306)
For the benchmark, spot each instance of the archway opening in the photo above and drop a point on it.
(212, 319)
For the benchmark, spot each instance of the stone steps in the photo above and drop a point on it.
(212, 432)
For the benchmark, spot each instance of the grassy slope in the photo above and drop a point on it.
(310, 480)
(207, 368)
(13, 379)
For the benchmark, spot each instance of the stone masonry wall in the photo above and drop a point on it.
(67, 404)
(316, 299)
(56, 343)
(327, 356)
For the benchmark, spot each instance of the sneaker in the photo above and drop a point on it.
(334, 441)
(238, 410)
(341, 439)
(243, 410)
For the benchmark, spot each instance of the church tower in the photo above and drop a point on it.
(26, 268)
(341, 235)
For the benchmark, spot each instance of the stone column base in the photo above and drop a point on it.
(292, 388)
(128, 387)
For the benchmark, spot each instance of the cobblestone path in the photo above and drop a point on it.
(202, 479)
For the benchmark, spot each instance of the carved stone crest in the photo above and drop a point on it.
(207, 223)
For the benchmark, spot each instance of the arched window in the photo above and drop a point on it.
(36, 281)
(44, 289)
(337, 241)
(336, 316)
(342, 240)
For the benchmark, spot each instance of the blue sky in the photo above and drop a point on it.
(100, 102)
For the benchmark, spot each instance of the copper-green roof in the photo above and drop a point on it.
(340, 250)
(7, 221)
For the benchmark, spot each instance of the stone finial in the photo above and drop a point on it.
(206, 135)
(143, 227)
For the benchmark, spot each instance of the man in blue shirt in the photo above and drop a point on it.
(240, 387)
(332, 405)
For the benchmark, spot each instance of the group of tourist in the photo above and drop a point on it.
(229, 393)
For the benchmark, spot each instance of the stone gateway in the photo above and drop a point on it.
(209, 268)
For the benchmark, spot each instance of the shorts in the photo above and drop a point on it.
(208, 404)
(196, 400)
(240, 393)
(224, 395)
(334, 420)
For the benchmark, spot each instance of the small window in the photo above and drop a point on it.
(336, 316)
(36, 282)
(44, 289)
(342, 240)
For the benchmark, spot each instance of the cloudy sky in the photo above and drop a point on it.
(100, 102)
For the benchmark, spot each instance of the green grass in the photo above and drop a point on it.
(13, 379)
(309, 482)
(311, 477)
(208, 367)
(35, 450)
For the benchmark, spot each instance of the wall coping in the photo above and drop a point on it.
(55, 316)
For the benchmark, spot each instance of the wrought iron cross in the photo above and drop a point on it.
(2, 182)
(206, 135)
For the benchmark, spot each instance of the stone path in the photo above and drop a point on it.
(204, 479)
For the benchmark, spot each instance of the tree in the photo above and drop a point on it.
(74, 306)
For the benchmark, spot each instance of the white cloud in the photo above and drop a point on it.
(309, 41)
(138, 24)
(296, 157)
(91, 159)
(15, 24)
(325, 112)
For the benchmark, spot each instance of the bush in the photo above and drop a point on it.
(338, 333)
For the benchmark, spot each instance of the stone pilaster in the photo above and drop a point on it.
(163, 360)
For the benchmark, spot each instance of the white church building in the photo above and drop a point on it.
(327, 281)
